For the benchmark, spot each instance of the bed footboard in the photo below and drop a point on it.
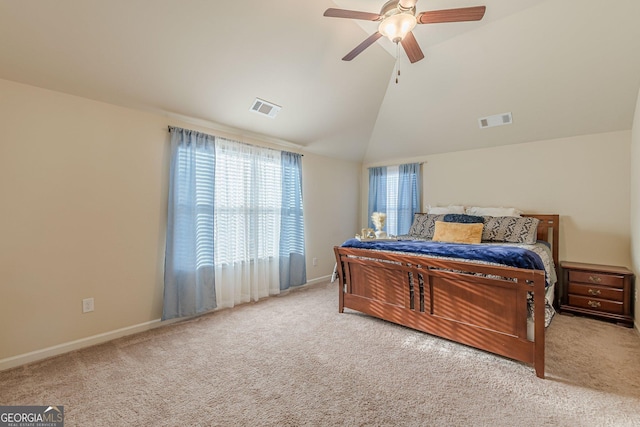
(478, 305)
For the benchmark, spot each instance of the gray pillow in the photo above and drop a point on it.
(424, 225)
(510, 229)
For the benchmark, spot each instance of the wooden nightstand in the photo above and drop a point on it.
(598, 290)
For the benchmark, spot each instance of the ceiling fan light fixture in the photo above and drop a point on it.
(396, 27)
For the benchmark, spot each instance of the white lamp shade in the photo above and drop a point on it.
(396, 27)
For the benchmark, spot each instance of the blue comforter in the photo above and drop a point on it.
(510, 256)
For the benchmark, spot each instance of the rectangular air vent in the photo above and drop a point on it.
(266, 108)
(495, 120)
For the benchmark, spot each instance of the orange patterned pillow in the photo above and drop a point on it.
(455, 232)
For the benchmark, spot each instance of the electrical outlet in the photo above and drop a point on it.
(315, 261)
(87, 305)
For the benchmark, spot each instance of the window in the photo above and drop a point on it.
(392, 200)
(395, 190)
(247, 207)
(235, 223)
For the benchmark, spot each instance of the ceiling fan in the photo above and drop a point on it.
(397, 19)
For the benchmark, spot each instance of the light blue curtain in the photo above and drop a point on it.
(189, 282)
(292, 253)
(377, 191)
(408, 195)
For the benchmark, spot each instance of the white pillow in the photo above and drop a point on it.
(443, 210)
(478, 211)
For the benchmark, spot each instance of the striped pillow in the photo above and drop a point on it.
(510, 229)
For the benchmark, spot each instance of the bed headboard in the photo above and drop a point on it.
(549, 231)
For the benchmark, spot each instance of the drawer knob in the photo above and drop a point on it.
(595, 279)
(594, 304)
(594, 291)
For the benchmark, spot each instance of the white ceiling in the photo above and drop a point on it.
(562, 67)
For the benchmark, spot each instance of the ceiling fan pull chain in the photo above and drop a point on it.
(397, 67)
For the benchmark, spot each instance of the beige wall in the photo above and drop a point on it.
(83, 190)
(585, 179)
(331, 193)
(635, 206)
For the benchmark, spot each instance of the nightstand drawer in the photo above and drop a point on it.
(596, 304)
(592, 291)
(594, 278)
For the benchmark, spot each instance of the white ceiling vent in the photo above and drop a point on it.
(265, 108)
(495, 120)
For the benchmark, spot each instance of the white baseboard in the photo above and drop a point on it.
(21, 359)
(318, 280)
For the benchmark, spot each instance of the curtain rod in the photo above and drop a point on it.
(396, 164)
(170, 128)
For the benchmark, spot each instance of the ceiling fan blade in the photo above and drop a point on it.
(352, 14)
(451, 15)
(362, 46)
(410, 45)
(407, 4)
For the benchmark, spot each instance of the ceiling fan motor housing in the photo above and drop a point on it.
(393, 7)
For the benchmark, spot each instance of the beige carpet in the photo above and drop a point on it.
(293, 360)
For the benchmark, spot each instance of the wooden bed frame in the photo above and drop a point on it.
(448, 299)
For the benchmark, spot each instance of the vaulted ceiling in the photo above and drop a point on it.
(561, 67)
